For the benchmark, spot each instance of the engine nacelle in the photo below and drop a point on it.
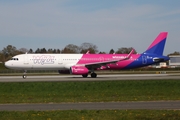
(64, 71)
(79, 70)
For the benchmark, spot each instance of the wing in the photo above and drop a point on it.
(110, 61)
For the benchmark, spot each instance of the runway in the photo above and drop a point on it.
(154, 105)
(65, 78)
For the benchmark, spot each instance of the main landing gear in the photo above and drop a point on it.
(93, 75)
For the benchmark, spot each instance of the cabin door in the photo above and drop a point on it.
(26, 62)
(60, 60)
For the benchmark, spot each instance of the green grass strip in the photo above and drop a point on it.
(93, 115)
(96, 91)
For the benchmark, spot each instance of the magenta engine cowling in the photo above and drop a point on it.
(79, 70)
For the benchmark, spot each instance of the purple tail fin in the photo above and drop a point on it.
(157, 47)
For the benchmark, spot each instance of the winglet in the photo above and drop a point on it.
(87, 52)
(129, 55)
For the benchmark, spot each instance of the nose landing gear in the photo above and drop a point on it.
(24, 76)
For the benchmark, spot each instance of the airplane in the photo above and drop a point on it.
(84, 64)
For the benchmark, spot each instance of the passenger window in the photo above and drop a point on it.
(14, 59)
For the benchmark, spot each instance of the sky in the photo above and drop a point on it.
(108, 24)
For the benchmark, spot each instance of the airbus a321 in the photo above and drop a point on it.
(84, 64)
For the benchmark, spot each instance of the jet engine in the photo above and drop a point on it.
(79, 70)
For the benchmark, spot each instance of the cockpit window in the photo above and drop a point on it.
(14, 59)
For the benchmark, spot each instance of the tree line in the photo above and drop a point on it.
(9, 51)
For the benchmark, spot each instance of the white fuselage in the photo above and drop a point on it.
(43, 61)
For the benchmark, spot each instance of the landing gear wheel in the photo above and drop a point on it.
(85, 75)
(24, 76)
(93, 75)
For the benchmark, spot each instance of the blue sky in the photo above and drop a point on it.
(107, 24)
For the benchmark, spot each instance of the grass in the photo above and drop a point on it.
(92, 115)
(96, 91)
(44, 92)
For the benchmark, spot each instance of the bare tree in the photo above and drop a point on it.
(71, 48)
(43, 50)
(30, 51)
(174, 53)
(50, 50)
(88, 47)
(54, 51)
(9, 52)
(111, 51)
(124, 50)
(58, 51)
(2, 57)
(38, 50)
(23, 50)
(102, 52)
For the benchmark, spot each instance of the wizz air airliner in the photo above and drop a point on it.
(84, 64)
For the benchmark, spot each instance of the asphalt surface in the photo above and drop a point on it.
(156, 105)
(175, 105)
(80, 78)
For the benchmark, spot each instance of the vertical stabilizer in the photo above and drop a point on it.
(157, 46)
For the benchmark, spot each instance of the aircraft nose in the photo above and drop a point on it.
(7, 64)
